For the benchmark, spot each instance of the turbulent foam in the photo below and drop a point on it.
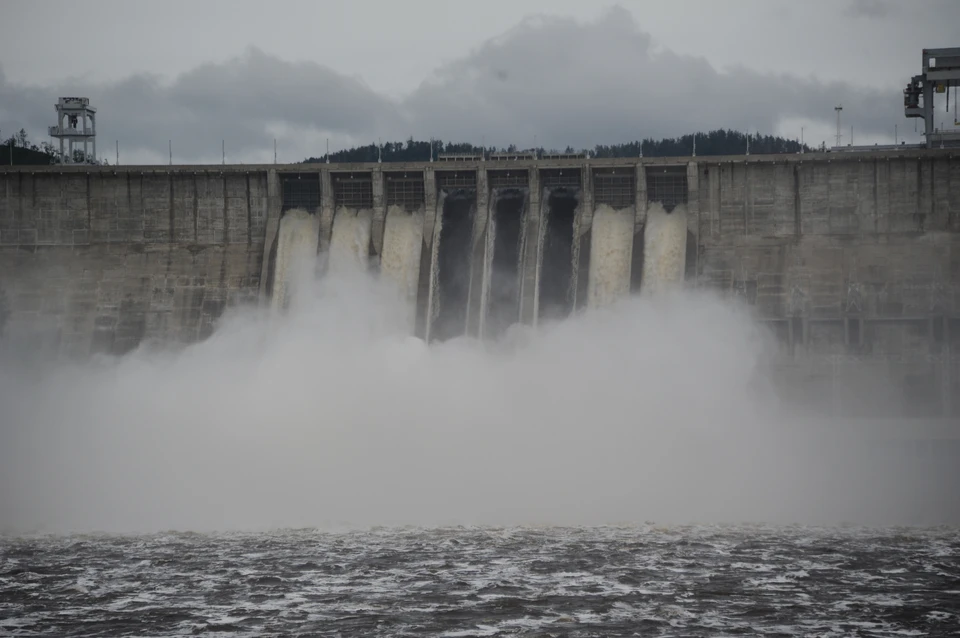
(611, 244)
(664, 249)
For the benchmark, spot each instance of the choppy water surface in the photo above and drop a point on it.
(611, 581)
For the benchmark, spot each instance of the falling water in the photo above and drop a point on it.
(664, 248)
(296, 252)
(451, 272)
(400, 258)
(611, 247)
(350, 240)
(503, 262)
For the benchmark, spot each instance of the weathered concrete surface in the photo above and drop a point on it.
(98, 262)
(856, 266)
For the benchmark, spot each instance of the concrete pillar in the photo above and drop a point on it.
(584, 218)
(326, 210)
(274, 204)
(797, 205)
(425, 282)
(379, 211)
(640, 202)
(747, 199)
(693, 211)
(531, 247)
(475, 301)
(430, 205)
(712, 214)
(583, 222)
(693, 197)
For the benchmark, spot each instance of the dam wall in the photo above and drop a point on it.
(96, 260)
(851, 260)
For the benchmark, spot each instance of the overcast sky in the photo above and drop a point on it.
(501, 71)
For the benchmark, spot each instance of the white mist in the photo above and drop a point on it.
(331, 414)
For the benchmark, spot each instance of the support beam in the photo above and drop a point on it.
(641, 196)
(531, 251)
(327, 210)
(478, 259)
(693, 213)
(425, 281)
(274, 203)
(379, 210)
(582, 224)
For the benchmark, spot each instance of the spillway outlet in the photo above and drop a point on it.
(453, 264)
(505, 268)
(558, 281)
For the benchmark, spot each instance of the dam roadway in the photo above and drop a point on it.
(851, 259)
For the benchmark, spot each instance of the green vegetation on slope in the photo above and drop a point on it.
(26, 153)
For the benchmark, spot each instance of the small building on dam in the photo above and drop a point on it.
(851, 259)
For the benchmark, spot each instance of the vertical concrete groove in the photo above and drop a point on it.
(226, 214)
(797, 206)
(196, 212)
(952, 209)
(143, 209)
(89, 211)
(172, 220)
(19, 216)
(890, 216)
(249, 214)
(918, 216)
(130, 200)
(933, 195)
(718, 201)
(746, 199)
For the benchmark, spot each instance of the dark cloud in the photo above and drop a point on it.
(556, 79)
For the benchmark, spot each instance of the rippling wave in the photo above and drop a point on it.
(606, 581)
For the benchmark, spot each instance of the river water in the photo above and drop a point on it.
(601, 581)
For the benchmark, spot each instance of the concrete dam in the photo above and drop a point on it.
(852, 260)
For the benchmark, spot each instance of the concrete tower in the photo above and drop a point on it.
(76, 122)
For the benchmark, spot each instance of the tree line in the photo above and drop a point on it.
(27, 153)
(718, 142)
